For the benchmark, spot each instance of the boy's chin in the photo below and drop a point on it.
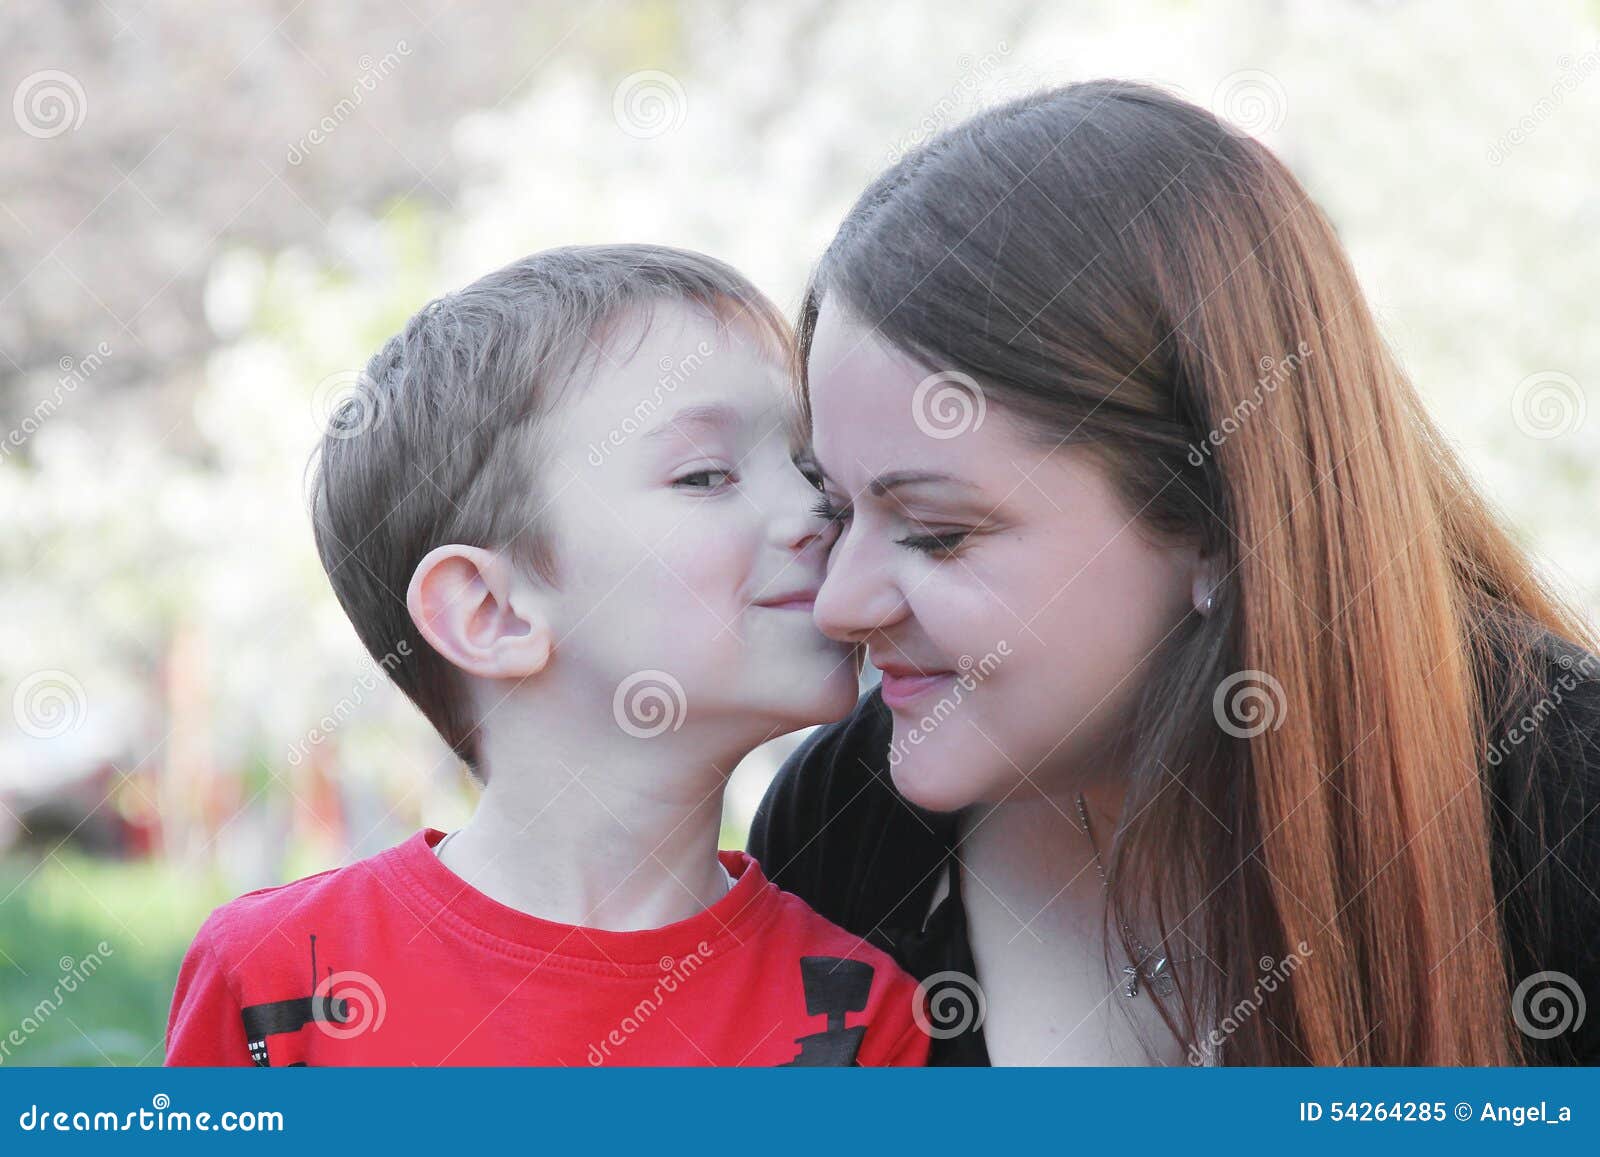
(792, 715)
(827, 701)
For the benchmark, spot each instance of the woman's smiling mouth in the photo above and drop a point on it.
(903, 685)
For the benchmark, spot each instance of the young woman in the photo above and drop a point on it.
(1221, 721)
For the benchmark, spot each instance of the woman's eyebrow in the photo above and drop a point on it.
(895, 479)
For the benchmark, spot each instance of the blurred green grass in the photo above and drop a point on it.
(54, 913)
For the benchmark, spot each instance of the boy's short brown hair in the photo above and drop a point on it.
(440, 442)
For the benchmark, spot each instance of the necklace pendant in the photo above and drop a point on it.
(1161, 981)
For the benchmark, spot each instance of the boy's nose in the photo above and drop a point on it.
(796, 530)
(857, 599)
(793, 523)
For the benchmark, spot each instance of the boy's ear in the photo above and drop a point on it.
(477, 610)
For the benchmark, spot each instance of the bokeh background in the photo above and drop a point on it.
(210, 215)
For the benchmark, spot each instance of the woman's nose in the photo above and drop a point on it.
(858, 598)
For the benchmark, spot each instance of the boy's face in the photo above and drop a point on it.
(683, 534)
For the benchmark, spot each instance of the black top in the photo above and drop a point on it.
(834, 831)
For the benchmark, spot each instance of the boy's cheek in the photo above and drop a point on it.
(712, 562)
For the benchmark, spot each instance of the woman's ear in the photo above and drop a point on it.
(476, 609)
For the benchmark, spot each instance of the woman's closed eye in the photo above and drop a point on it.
(940, 544)
(936, 544)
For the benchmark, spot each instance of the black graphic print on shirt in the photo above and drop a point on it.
(834, 986)
(291, 1015)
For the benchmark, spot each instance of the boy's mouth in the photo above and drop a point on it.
(801, 600)
(904, 685)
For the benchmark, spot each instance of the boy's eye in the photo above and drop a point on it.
(704, 479)
(936, 545)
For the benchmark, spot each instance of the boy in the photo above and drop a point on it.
(570, 489)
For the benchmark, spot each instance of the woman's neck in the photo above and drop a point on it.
(1032, 853)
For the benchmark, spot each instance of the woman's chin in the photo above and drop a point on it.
(921, 784)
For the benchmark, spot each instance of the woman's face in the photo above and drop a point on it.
(1009, 598)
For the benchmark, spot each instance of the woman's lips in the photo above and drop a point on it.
(902, 688)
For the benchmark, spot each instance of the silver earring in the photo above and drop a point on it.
(1210, 604)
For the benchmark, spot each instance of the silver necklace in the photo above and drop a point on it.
(1159, 976)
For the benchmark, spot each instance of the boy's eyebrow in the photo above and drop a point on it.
(711, 415)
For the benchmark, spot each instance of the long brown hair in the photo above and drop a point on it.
(1307, 802)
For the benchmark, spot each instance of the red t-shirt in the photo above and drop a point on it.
(395, 960)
